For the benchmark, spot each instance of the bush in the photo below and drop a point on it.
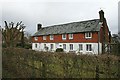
(28, 46)
(59, 50)
(24, 63)
(3, 45)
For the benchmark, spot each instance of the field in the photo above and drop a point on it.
(24, 63)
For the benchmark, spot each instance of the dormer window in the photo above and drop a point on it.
(70, 36)
(35, 38)
(88, 35)
(44, 37)
(63, 36)
(51, 37)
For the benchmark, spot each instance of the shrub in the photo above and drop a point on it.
(28, 46)
(24, 63)
(59, 50)
(3, 45)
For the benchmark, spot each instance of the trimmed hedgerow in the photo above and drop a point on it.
(24, 63)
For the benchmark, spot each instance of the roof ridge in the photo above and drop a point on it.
(72, 27)
(70, 23)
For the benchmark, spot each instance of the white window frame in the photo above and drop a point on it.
(64, 36)
(89, 47)
(51, 46)
(51, 37)
(70, 36)
(88, 35)
(64, 46)
(44, 37)
(35, 38)
(80, 47)
(36, 45)
(45, 46)
(71, 47)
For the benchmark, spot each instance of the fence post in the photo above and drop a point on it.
(97, 72)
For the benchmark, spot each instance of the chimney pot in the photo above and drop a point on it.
(39, 26)
(101, 15)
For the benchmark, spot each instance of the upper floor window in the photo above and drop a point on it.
(51, 37)
(44, 37)
(35, 38)
(64, 36)
(88, 47)
(70, 36)
(88, 35)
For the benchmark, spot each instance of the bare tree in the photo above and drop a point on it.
(12, 33)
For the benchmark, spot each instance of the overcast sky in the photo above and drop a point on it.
(53, 12)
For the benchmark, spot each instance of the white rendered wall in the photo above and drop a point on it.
(40, 47)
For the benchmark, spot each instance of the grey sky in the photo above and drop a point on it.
(51, 12)
(119, 17)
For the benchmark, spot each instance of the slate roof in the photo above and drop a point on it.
(74, 27)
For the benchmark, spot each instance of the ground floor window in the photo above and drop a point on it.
(64, 46)
(44, 45)
(35, 45)
(51, 46)
(80, 47)
(88, 47)
(71, 46)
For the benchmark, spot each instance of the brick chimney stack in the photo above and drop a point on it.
(39, 26)
(101, 15)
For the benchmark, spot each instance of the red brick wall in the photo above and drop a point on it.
(102, 34)
(78, 37)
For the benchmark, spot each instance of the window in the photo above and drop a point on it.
(64, 46)
(71, 46)
(44, 37)
(70, 36)
(35, 45)
(80, 47)
(88, 35)
(35, 38)
(51, 46)
(64, 36)
(88, 47)
(44, 45)
(51, 37)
